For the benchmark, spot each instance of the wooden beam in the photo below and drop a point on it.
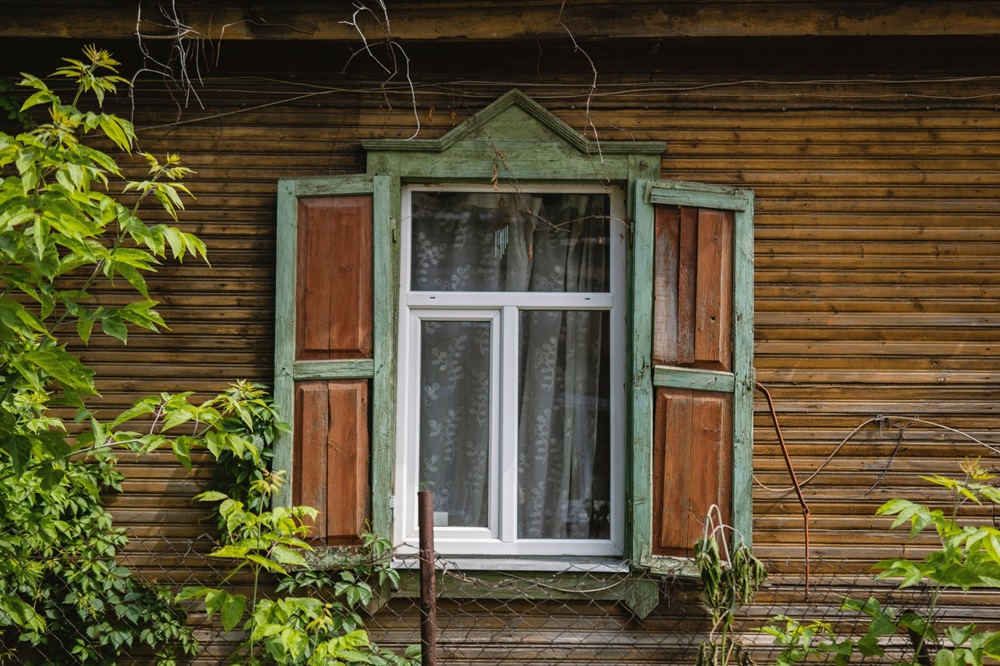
(494, 20)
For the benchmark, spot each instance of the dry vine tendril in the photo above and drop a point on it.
(730, 577)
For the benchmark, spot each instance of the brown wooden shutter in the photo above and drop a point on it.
(333, 322)
(692, 328)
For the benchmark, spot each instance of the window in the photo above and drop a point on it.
(555, 342)
(511, 369)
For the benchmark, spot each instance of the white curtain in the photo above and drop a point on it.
(497, 242)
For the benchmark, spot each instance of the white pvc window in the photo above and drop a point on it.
(511, 369)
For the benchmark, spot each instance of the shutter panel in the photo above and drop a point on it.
(325, 349)
(331, 457)
(333, 298)
(693, 288)
(692, 465)
(693, 405)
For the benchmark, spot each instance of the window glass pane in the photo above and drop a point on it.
(455, 420)
(509, 241)
(563, 426)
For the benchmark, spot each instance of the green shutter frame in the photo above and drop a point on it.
(647, 378)
(379, 369)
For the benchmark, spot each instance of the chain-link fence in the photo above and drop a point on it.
(597, 614)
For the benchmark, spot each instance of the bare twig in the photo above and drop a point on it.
(392, 66)
(185, 51)
(882, 421)
(892, 457)
(593, 82)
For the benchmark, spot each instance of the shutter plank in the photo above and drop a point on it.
(687, 292)
(692, 288)
(666, 239)
(347, 466)
(692, 465)
(334, 282)
(312, 423)
(714, 289)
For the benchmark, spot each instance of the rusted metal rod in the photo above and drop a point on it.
(428, 607)
(791, 473)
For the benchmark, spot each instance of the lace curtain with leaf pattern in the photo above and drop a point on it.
(516, 242)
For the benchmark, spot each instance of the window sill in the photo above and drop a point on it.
(536, 578)
(586, 565)
(578, 579)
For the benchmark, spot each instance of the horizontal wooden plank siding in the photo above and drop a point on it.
(877, 284)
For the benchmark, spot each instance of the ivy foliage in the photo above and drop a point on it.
(64, 599)
(967, 557)
(315, 615)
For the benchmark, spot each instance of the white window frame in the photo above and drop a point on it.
(501, 309)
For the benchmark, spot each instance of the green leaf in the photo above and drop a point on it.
(141, 313)
(959, 635)
(176, 417)
(119, 130)
(84, 326)
(911, 573)
(22, 614)
(284, 555)
(113, 326)
(103, 160)
(920, 517)
(193, 592)
(64, 368)
(41, 97)
(15, 317)
(182, 453)
(141, 407)
(231, 552)
(211, 496)
(267, 564)
(989, 643)
(945, 657)
(233, 608)
(18, 447)
(176, 241)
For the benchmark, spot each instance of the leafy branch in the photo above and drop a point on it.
(967, 557)
(61, 232)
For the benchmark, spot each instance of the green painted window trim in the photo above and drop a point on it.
(514, 140)
(639, 592)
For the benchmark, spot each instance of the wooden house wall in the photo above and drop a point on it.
(876, 247)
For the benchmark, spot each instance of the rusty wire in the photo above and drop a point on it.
(795, 481)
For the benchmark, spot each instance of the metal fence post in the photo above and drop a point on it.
(428, 608)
